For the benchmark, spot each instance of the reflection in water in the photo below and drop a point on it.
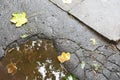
(35, 60)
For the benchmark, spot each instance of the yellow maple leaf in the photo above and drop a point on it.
(19, 19)
(11, 68)
(64, 57)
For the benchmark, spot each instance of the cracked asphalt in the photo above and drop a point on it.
(68, 34)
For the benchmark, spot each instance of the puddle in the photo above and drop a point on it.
(32, 60)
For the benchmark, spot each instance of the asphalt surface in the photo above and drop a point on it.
(46, 20)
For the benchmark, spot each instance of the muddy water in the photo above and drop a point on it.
(34, 60)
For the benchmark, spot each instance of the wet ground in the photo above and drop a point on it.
(33, 60)
(48, 21)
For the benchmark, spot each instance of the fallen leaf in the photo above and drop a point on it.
(24, 36)
(96, 67)
(82, 64)
(64, 57)
(93, 41)
(11, 68)
(19, 19)
(67, 1)
(69, 77)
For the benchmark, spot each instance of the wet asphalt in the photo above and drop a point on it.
(46, 20)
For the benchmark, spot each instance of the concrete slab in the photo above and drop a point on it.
(101, 15)
(66, 6)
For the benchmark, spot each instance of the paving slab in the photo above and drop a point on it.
(101, 15)
(66, 6)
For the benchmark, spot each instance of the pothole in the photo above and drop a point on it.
(32, 60)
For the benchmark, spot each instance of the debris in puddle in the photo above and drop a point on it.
(33, 43)
(11, 68)
(36, 63)
(18, 48)
(10, 49)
